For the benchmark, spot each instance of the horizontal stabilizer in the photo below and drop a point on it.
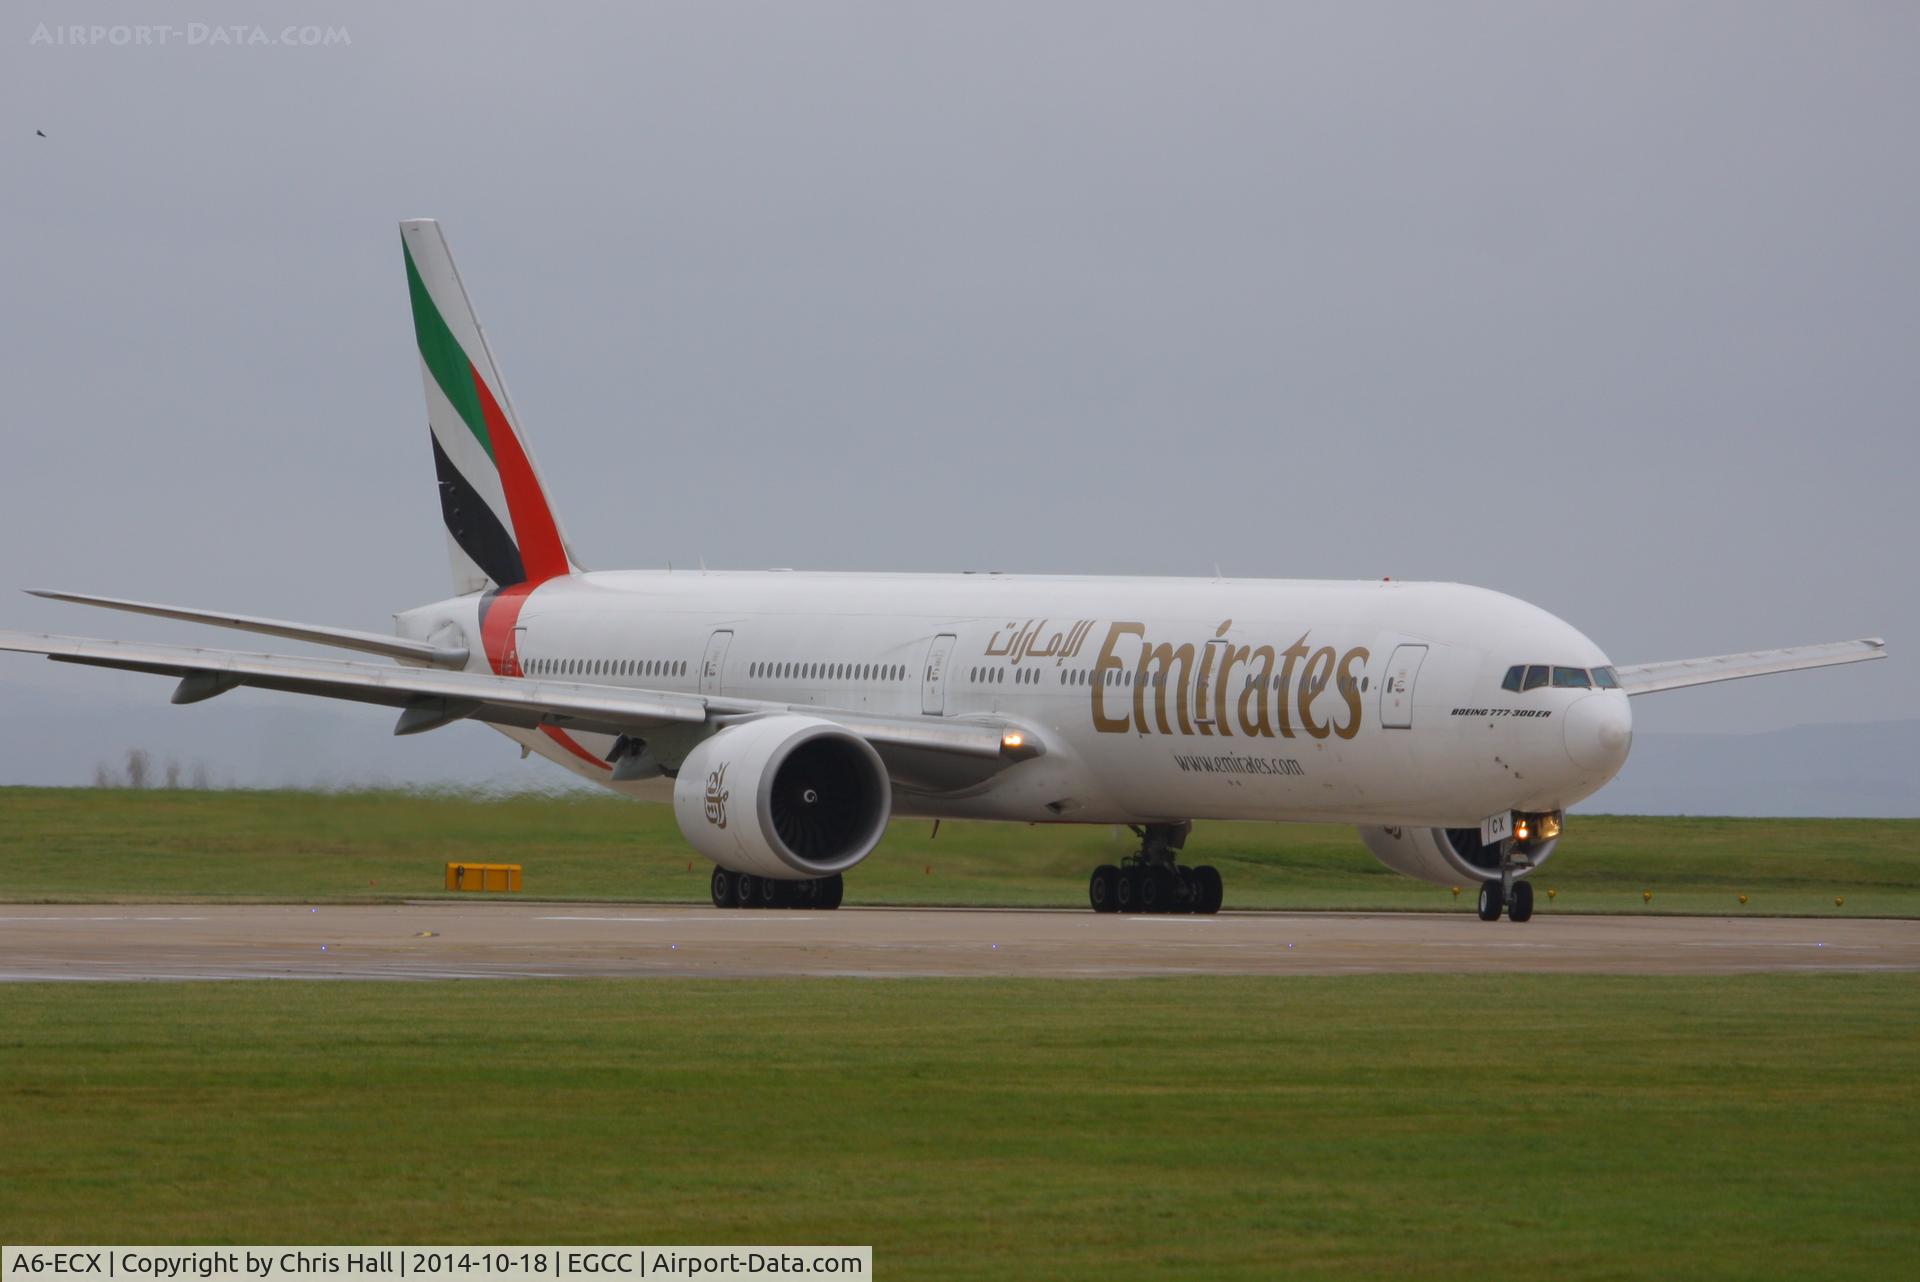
(509, 701)
(340, 638)
(1677, 674)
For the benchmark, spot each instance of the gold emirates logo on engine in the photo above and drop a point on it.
(717, 795)
(1219, 688)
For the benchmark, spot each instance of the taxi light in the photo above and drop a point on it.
(1522, 831)
(1549, 827)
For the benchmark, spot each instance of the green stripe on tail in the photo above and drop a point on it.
(451, 369)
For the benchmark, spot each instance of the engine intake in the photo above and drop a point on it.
(784, 797)
(1446, 856)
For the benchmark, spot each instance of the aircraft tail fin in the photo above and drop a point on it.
(501, 526)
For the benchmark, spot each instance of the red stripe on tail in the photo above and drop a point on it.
(534, 528)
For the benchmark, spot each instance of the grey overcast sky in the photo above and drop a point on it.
(1612, 306)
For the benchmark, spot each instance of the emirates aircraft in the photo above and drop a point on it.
(789, 715)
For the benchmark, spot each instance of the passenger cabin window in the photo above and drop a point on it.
(1571, 679)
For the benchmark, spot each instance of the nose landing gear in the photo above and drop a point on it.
(1153, 880)
(1509, 894)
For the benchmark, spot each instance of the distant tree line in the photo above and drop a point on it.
(140, 771)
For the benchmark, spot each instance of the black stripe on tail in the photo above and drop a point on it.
(474, 526)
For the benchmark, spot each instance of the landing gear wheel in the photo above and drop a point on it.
(1491, 901)
(746, 890)
(832, 890)
(1157, 890)
(1521, 906)
(722, 887)
(773, 894)
(1209, 891)
(1153, 880)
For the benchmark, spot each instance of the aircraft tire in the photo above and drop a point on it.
(1521, 909)
(1102, 888)
(746, 890)
(775, 894)
(1212, 890)
(832, 890)
(1156, 890)
(1126, 891)
(1491, 901)
(722, 888)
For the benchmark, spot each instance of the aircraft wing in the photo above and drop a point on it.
(1676, 674)
(344, 638)
(429, 697)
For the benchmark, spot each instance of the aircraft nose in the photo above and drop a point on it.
(1599, 730)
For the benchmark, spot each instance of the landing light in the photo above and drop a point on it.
(1019, 745)
(1549, 827)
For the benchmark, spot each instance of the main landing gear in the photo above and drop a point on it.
(744, 890)
(1153, 880)
(1510, 894)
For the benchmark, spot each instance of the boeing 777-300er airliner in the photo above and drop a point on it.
(788, 716)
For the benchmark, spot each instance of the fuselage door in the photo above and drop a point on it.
(933, 682)
(510, 661)
(1396, 689)
(714, 663)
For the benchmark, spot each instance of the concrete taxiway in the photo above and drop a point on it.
(506, 940)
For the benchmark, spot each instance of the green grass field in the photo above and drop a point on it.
(1431, 1127)
(93, 844)
(1428, 1126)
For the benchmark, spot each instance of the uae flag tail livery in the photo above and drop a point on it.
(501, 528)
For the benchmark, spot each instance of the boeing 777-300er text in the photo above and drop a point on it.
(788, 716)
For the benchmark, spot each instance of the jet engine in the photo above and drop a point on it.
(1449, 856)
(784, 797)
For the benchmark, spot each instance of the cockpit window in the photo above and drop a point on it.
(1514, 675)
(1606, 679)
(1536, 676)
(1571, 679)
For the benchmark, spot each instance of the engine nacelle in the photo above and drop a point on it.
(1446, 856)
(783, 797)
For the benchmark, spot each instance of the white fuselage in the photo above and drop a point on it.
(1153, 699)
